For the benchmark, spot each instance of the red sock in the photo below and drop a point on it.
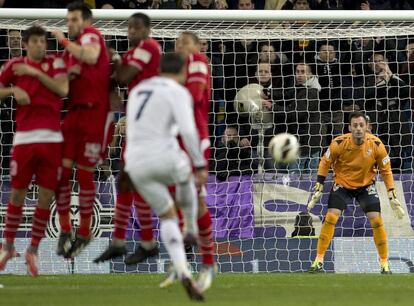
(144, 216)
(13, 219)
(122, 213)
(63, 200)
(206, 238)
(40, 219)
(86, 200)
(180, 219)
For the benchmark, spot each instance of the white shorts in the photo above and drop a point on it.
(151, 176)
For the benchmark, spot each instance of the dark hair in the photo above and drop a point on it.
(233, 126)
(357, 115)
(171, 63)
(80, 6)
(143, 17)
(33, 31)
(193, 36)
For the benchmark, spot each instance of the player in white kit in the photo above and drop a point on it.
(158, 109)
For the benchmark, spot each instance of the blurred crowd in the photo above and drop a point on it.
(308, 86)
(221, 4)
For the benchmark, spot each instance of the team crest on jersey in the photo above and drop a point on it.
(58, 63)
(92, 151)
(45, 66)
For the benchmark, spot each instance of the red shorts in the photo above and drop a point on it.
(43, 160)
(86, 133)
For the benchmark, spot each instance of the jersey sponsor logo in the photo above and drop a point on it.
(45, 66)
(89, 38)
(58, 63)
(328, 153)
(197, 67)
(142, 55)
(386, 160)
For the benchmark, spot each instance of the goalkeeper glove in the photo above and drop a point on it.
(317, 194)
(395, 204)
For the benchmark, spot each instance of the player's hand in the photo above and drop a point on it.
(244, 142)
(396, 205)
(201, 176)
(24, 69)
(186, 5)
(21, 96)
(316, 196)
(58, 35)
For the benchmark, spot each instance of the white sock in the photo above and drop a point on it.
(186, 196)
(173, 240)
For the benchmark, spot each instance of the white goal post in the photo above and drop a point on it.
(254, 214)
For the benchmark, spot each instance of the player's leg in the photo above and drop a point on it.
(369, 201)
(21, 171)
(122, 214)
(338, 199)
(156, 194)
(147, 247)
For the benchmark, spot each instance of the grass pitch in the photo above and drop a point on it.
(229, 289)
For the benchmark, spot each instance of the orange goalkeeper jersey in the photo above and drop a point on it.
(356, 166)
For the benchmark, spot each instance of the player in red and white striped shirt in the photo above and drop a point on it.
(88, 124)
(37, 81)
(141, 62)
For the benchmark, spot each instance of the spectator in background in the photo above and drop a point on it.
(407, 71)
(135, 4)
(303, 225)
(306, 5)
(299, 107)
(330, 74)
(13, 48)
(245, 5)
(388, 106)
(232, 158)
(279, 64)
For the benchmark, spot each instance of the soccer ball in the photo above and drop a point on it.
(284, 148)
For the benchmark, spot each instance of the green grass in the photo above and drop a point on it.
(229, 289)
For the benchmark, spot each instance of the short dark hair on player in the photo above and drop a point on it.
(193, 36)
(80, 6)
(143, 17)
(357, 115)
(33, 31)
(171, 63)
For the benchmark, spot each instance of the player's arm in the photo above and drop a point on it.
(124, 73)
(89, 50)
(384, 166)
(6, 79)
(183, 115)
(58, 84)
(324, 165)
(197, 79)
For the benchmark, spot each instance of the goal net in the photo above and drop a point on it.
(313, 74)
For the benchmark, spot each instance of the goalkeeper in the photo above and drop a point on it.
(355, 158)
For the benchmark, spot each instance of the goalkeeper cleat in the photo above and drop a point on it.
(110, 253)
(5, 256)
(64, 244)
(140, 255)
(31, 262)
(193, 292)
(172, 277)
(206, 276)
(78, 246)
(385, 268)
(316, 267)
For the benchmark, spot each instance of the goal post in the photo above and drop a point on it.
(255, 203)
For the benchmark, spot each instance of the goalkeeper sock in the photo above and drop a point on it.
(86, 200)
(206, 238)
(380, 238)
(63, 200)
(173, 240)
(122, 213)
(13, 219)
(325, 237)
(144, 216)
(40, 219)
